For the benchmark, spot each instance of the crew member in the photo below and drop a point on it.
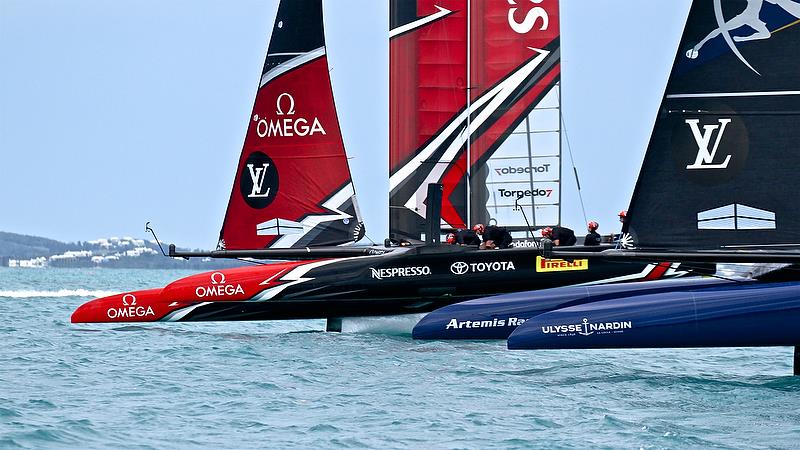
(593, 238)
(561, 236)
(622, 239)
(467, 237)
(493, 236)
(463, 237)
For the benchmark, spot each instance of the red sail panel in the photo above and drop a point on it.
(514, 64)
(515, 48)
(428, 76)
(503, 35)
(293, 185)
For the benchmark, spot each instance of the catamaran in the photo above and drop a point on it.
(722, 161)
(474, 116)
(724, 149)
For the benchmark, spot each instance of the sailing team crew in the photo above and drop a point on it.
(463, 237)
(493, 236)
(561, 236)
(593, 237)
(499, 237)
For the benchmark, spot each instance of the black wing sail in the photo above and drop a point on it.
(721, 167)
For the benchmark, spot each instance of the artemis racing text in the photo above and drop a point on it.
(510, 322)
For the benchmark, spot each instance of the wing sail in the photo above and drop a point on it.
(720, 168)
(473, 87)
(293, 186)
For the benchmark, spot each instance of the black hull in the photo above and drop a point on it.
(312, 309)
(353, 287)
(403, 281)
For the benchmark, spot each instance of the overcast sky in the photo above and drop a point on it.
(114, 113)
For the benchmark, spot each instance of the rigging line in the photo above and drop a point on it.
(370, 239)
(468, 185)
(571, 157)
(522, 210)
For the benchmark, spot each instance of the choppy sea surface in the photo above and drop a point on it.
(287, 384)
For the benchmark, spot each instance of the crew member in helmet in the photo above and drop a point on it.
(561, 236)
(593, 238)
(463, 237)
(467, 237)
(493, 236)
(623, 239)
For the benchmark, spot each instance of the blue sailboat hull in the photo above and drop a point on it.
(497, 317)
(734, 315)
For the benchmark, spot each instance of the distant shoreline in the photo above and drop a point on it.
(34, 252)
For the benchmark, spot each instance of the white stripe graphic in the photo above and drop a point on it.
(420, 22)
(291, 64)
(637, 276)
(736, 94)
(175, 316)
(295, 276)
(458, 123)
(333, 204)
(495, 98)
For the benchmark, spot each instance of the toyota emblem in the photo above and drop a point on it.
(459, 268)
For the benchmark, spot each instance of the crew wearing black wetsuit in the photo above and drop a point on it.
(593, 238)
(563, 236)
(499, 235)
(467, 237)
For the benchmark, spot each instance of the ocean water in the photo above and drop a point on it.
(287, 384)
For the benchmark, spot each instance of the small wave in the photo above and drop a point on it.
(58, 293)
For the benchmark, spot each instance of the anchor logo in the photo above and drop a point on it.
(585, 327)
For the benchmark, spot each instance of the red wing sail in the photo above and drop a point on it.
(293, 185)
(511, 75)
